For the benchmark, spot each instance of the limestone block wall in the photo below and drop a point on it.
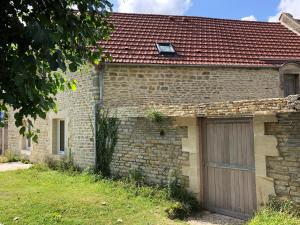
(143, 85)
(191, 145)
(264, 146)
(285, 168)
(77, 108)
(152, 148)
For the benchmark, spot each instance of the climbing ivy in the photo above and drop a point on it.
(106, 140)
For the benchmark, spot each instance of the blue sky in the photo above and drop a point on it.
(261, 10)
(234, 9)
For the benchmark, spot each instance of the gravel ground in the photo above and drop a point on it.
(13, 166)
(207, 218)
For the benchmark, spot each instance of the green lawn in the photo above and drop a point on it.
(42, 196)
(269, 217)
(49, 197)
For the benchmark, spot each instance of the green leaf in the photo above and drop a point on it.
(73, 67)
(22, 130)
(73, 87)
(96, 61)
(35, 138)
(36, 52)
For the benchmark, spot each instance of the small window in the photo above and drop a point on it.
(165, 48)
(291, 85)
(58, 136)
(61, 132)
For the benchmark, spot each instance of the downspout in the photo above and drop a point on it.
(101, 85)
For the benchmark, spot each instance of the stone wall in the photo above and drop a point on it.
(285, 168)
(152, 148)
(290, 22)
(77, 108)
(143, 85)
(228, 108)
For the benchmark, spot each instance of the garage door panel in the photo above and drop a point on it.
(229, 174)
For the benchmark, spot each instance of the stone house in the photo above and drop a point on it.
(230, 133)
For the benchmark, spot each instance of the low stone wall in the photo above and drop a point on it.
(152, 148)
(285, 168)
(230, 108)
(142, 147)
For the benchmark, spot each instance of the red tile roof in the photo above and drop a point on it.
(200, 41)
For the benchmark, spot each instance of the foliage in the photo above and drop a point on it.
(155, 116)
(270, 217)
(179, 193)
(283, 206)
(155, 193)
(178, 210)
(25, 161)
(39, 42)
(11, 156)
(106, 140)
(43, 196)
(63, 165)
(40, 167)
(3, 159)
(136, 176)
(278, 212)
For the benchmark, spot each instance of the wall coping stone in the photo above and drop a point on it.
(247, 108)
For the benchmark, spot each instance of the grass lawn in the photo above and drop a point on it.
(269, 217)
(43, 197)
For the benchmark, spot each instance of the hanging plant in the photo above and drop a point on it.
(155, 116)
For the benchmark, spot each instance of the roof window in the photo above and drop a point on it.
(165, 48)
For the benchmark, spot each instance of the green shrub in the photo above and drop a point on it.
(179, 193)
(64, 165)
(155, 116)
(41, 167)
(136, 176)
(92, 173)
(25, 161)
(155, 193)
(11, 156)
(278, 212)
(283, 205)
(271, 217)
(178, 210)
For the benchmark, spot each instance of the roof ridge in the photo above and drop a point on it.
(194, 17)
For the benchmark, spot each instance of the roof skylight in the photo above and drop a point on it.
(165, 48)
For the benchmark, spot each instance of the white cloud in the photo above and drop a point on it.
(168, 7)
(249, 18)
(288, 6)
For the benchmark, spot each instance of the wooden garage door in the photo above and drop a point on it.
(229, 170)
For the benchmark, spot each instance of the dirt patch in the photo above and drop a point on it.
(14, 166)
